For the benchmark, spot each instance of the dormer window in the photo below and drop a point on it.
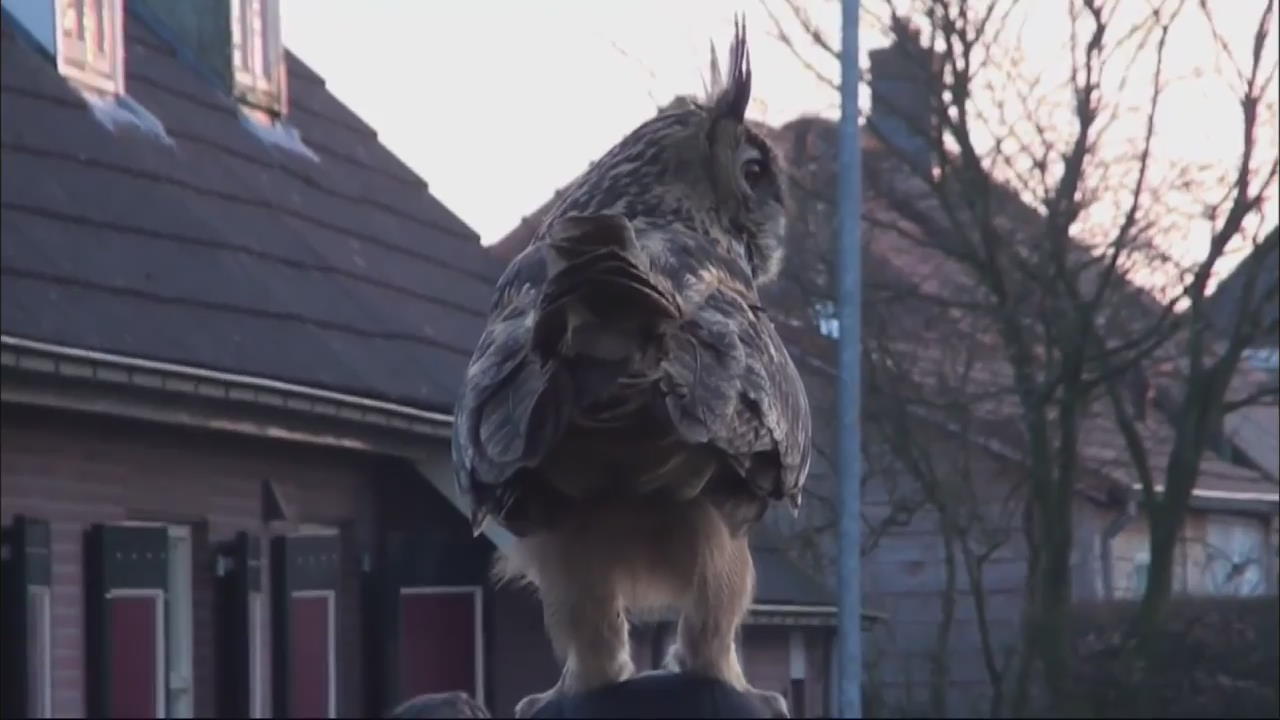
(89, 44)
(257, 55)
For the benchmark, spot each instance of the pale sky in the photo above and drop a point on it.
(496, 103)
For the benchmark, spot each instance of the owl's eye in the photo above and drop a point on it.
(753, 172)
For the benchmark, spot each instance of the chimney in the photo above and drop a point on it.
(903, 96)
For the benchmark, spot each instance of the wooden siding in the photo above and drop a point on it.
(903, 574)
(76, 470)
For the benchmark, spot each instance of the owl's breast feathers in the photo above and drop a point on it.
(644, 359)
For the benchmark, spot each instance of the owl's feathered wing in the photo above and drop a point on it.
(588, 331)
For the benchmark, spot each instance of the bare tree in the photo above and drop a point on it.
(1046, 213)
(905, 394)
(919, 448)
(1205, 355)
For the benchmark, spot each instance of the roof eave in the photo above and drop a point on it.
(118, 384)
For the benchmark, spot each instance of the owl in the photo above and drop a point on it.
(630, 412)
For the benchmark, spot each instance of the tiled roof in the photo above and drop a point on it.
(1255, 428)
(780, 580)
(223, 251)
(1227, 300)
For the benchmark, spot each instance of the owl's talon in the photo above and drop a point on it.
(533, 703)
(676, 661)
(774, 703)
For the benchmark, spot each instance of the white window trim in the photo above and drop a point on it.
(477, 594)
(1140, 559)
(162, 660)
(332, 649)
(257, 696)
(313, 530)
(187, 618)
(256, 79)
(796, 655)
(105, 77)
(1233, 539)
(179, 530)
(44, 596)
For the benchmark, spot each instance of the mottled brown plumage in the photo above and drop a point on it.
(630, 410)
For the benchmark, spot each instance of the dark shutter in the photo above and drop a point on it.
(239, 584)
(305, 575)
(26, 566)
(376, 625)
(430, 638)
(796, 699)
(126, 575)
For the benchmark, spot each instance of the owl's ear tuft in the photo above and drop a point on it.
(729, 94)
(714, 82)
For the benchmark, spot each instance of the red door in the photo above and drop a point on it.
(134, 622)
(439, 641)
(311, 660)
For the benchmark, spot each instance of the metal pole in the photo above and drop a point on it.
(850, 393)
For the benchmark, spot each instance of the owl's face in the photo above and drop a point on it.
(731, 176)
(749, 194)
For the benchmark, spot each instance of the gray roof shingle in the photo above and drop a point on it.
(222, 251)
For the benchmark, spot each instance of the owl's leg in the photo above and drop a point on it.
(588, 630)
(721, 595)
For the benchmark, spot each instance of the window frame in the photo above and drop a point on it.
(255, 84)
(289, 581)
(798, 671)
(26, 545)
(40, 696)
(162, 639)
(1234, 540)
(476, 592)
(1140, 578)
(257, 657)
(331, 611)
(98, 72)
(177, 624)
(180, 621)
